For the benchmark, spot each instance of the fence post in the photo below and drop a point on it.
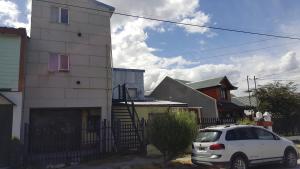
(104, 135)
(144, 145)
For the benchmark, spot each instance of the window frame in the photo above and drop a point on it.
(59, 15)
(60, 69)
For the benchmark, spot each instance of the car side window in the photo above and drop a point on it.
(240, 134)
(246, 134)
(263, 134)
(231, 135)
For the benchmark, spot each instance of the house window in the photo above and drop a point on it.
(223, 93)
(60, 15)
(132, 93)
(59, 63)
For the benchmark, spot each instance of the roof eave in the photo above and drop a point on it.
(110, 8)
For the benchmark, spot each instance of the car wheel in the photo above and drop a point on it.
(290, 159)
(239, 163)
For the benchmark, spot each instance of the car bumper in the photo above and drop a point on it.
(224, 165)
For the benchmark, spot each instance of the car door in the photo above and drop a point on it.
(243, 140)
(271, 146)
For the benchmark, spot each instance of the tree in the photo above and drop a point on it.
(279, 98)
(172, 133)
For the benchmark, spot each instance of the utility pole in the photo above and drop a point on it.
(255, 92)
(249, 91)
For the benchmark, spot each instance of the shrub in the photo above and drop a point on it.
(172, 133)
(246, 121)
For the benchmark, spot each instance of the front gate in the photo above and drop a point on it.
(6, 114)
(49, 147)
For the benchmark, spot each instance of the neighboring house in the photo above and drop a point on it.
(219, 89)
(176, 90)
(68, 68)
(12, 54)
(246, 103)
(134, 80)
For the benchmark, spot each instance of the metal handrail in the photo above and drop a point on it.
(133, 113)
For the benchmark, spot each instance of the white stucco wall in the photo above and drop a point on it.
(17, 98)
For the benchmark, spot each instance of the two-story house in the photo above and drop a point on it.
(12, 53)
(68, 68)
(219, 89)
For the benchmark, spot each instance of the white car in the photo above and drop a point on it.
(241, 146)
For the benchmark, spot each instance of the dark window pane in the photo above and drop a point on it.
(263, 134)
(64, 16)
(246, 134)
(231, 135)
(208, 136)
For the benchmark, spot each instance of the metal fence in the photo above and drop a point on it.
(206, 122)
(285, 125)
(46, 147)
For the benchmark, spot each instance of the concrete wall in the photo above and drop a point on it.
(9, 61)
(132, 78)
(170, 89)
(90, 60)
(17, 99)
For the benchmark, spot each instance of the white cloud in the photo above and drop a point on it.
(130, 49)
(10, 13)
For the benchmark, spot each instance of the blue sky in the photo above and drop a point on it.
(185, 53)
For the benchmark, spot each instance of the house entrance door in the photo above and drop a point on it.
(6, 114)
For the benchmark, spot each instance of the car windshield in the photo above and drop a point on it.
(208, 136)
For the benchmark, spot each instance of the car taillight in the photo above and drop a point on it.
(217, 147)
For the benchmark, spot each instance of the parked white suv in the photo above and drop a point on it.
(241, 146)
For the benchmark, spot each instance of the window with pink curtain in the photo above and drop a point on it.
(53, 62)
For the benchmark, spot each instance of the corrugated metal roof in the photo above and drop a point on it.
(206, 83)
(209, 83)
(244, 101)
(183, 81)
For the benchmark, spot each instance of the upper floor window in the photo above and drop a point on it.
(58, 62)
(60, 15)
(223, 93)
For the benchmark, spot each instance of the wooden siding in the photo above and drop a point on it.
(9, 61)
(213, 92)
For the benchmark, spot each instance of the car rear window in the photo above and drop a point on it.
(208, 136)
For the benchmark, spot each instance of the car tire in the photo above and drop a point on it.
(290, 158)
(239, 162)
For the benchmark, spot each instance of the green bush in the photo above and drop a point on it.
(246, 121)
(172, 133)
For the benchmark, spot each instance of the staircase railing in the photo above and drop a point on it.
(132, 111)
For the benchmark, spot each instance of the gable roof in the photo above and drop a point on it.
(110, 8)
(183, 81)
(210, 83)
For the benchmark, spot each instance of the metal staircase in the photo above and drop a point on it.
(127, 127)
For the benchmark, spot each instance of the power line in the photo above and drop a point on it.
(180, 23)
(246, 51)
(237, 45)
